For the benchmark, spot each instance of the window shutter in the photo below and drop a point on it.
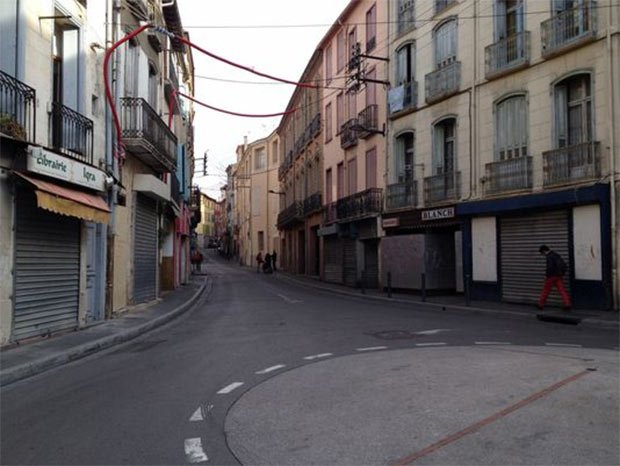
(561, 121)
(401, 66)
(499, 13)
(520, 17)
(438, 146)
(399, 158)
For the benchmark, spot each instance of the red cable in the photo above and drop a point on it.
(250, 115)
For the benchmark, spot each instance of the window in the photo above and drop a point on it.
(328, 64)
(573, 111)
(153, 87)
(405, 64)
(351, 104)
(328, 122)
(339, 112)
(371, 28)
(445, 44)
(131, 69)
(261, 240)
(340, 51)
(371, 88)
(441, 5)
(274, 152)
(404, 158)
(352, 176)
(260, 159)
(328, 186)
(511, 132)
(508, 18)
(351, 42)
(406, 19)
(340, 180)
(444, 146)
(371, 168)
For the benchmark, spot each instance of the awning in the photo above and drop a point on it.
(66, 201)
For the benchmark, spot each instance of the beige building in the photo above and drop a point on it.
(256, 200)
(205, 230)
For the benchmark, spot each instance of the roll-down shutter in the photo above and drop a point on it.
(145, 250)
(350, 262)
(522, 267)
(333, 259)
(47, 270)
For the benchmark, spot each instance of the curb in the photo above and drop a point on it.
(586, 322)
(30, 369)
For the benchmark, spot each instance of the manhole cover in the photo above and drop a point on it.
(393, 335)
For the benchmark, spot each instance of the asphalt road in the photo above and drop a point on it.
(267, 372)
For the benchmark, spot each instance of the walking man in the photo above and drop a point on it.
(556, 269)
(259, 261)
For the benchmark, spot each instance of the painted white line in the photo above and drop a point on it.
(372, 348)
(438, 343)
(288, 300)
(491, 343)
(197, 416)
(317, 356)
(433, 331)
(271, 369)
(229, 388)
(194, 452)
(564, 345)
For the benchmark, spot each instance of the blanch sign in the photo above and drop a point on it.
(436, 214)
(48, 163)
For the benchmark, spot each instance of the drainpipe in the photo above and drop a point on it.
(612, 160)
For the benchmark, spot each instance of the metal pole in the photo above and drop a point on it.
(389, 284)
(423, 284)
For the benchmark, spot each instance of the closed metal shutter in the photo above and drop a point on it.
(145, 250)
(333, 260)
(350, 262)
(47, 270)
(371, 260)
(522, 267)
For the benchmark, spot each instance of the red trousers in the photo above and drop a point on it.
(549, 282)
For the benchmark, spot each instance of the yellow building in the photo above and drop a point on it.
(206, 228)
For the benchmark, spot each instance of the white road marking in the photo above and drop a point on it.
(271, 369)
(491, 343)
(197, 416)
(288, 300)
(565, 345)
(437, 343)
(317, 356)
(372, 348)
(229, 388)
(194, 452)
(433, 331)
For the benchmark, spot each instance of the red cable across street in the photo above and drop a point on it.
(249, 115)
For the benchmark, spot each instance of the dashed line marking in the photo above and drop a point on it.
(436, 343)
(491, 343)
(229, 388)
(194, 452)
(372, 348)
(317, 356)
(271, 369)
(197, 416)
(433, 331)
(563, 345)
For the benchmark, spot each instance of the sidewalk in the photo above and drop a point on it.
(593, 318)
(22, 361)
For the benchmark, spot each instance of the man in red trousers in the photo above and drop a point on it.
(556, 268)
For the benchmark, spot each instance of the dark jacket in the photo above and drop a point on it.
(556, 267)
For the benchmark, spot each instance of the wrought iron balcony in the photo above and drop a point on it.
(368, 121)
(291, 215)
(509, 175)
(507, 55)
(401, 195)
(72, 133)
(17, 108)
(443, 82)
(580, 162)
(330, 213)
(348, 134)
(312, 204)
(569, 29)
(360, 205)
(442, 188)
(146, 135)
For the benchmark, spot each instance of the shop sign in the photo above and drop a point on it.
(438, 214)
(56, 166)
(390, 222)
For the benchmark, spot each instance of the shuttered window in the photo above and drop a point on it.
(511, 128)
(445, 44)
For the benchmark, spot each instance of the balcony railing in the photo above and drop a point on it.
(580, 162)
(568, 29)
(291, 215)
(360, 205)
(509, 175)
(440, 188)
(72, 133)
(443, 82)
(507, 55)
(348, 135)
(312, 204)
(368, 121)
(401, 195)
(146, 135)
(17, 108)
(330, 213)
(405, 98)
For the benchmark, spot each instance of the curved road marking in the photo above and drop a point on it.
(194, 452)
(317, 356)
(197, 416)
(437, 343)
(491, 343)
(563, 345)
(229, 388)
(372, 348)
(271, 369)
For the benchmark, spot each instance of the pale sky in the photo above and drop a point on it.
(279, 51)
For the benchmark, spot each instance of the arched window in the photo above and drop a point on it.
(573, 110)
(403, 163)
(511, 128)
(444, 146)
(444, 38)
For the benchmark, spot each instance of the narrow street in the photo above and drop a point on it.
(263, 371)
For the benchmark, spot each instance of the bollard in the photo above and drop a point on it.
(467, 290)
(389, 284)
(423, 285)
(363, 284)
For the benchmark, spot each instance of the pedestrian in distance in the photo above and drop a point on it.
(555, 271)
(267, 265)
(259, 261)
(274, 256)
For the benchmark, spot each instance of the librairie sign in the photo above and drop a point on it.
(48, 163)
(437, 214)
